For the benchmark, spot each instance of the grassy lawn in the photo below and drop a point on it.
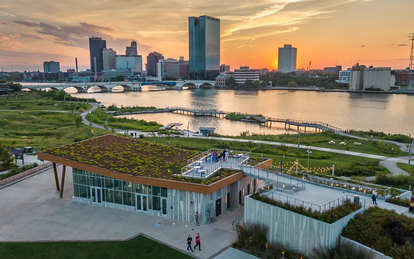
(29, 124)
(320, 162)
(408, 168)
(138, 247)
(99, 117)
(323, 139)
(36, 102)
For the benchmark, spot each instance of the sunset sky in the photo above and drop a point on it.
(326, 32)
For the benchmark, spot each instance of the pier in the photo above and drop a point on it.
(289, 124)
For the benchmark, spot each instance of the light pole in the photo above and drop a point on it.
(309, 152)
(298, 138)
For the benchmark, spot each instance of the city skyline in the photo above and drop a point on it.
(326, 33)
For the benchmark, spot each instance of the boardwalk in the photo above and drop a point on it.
(265, 121)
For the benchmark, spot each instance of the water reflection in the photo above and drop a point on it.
(389, 113)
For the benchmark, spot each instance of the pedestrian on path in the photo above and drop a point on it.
(198, 242)
(196, 218)
(411, 208)
(189, 240)
(374, 197)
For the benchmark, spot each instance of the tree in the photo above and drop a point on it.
(6, 158)
(292, 84)
(257, 83)
(231, 82)
(78, 120)
(248, 83)
(119, 78)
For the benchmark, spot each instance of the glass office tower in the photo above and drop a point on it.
(204, 47)
(96, 45)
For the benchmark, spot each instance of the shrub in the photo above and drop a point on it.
(399, 201)
(383, 230)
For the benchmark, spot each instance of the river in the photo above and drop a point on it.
(389, 113)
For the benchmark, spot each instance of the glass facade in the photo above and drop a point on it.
(204, 44)
(101, 189)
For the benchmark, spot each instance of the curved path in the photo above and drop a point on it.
(387, 160)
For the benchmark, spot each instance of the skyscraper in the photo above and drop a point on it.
(51, 67)
(287, 59)
(96, 45)
(132, 50)
(108, 57)
(204, 46)
(152, 60)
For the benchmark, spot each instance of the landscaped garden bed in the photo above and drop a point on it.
(383, 230)
(328, 216)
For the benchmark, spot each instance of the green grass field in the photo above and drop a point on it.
(31, 124)
(408, 168)
(138, 247)
(323, 139)
(318, 160)
(36, 102)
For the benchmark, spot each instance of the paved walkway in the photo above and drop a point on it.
(393, 167)
(32, 211)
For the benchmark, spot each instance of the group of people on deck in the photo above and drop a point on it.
(216, 156)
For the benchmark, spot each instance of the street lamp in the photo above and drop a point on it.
(309, 152)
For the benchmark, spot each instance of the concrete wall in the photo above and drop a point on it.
(293, 230)
(185, 203)
(371, 252)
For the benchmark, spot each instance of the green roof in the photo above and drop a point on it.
(127, 155)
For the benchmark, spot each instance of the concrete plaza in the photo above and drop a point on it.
(31, 210)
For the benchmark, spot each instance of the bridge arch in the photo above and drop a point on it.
(190, 85)
(74, 89)
(47, 89)
(98, 89)
(206, 85)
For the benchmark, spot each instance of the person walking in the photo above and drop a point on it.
(189, 240)
(196, 218)
(198, 242)
(411, 208)
(374, 197)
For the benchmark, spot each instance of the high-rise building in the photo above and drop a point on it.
(51, 67)
(287, 59)
(132, 50)
(109, 59)
(152, 60)
(204, 46)
(96, 45)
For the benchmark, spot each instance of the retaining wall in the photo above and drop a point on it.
(372, 252)
(294, 231)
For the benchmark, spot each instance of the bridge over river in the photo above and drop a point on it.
(104, 87)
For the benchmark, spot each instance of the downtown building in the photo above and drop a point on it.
(51, 67)
(96, 46)
(131, 50)
(204, 47)
(287, 59)
(109, 59)
(246, 74)
(152, 60)
(371, 78)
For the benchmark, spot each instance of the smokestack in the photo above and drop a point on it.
(76, 61)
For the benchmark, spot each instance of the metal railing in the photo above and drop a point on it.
(272, 194)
